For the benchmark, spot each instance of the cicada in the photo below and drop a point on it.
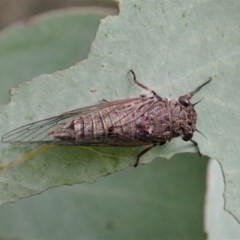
(141, 121)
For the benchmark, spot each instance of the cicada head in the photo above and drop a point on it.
(187, 114)
(187, 118)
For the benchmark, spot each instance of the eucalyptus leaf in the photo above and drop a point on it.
(162, 200)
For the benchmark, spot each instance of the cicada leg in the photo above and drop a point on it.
(146, 150)
(197, 147)
(143, 86)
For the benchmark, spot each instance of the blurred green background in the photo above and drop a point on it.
(14, 10)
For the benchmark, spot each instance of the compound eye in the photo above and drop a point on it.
(188, 136)
(184, 101)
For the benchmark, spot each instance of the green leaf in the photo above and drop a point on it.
(162, 200)
(219, 223)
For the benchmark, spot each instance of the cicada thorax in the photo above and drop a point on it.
(165, 120)
(183, 118)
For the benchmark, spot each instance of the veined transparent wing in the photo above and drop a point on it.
(40, 131)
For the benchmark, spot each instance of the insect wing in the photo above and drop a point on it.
(35, 132)
(40, 131)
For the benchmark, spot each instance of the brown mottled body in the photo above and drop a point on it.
(137, 122)
(130, 122)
